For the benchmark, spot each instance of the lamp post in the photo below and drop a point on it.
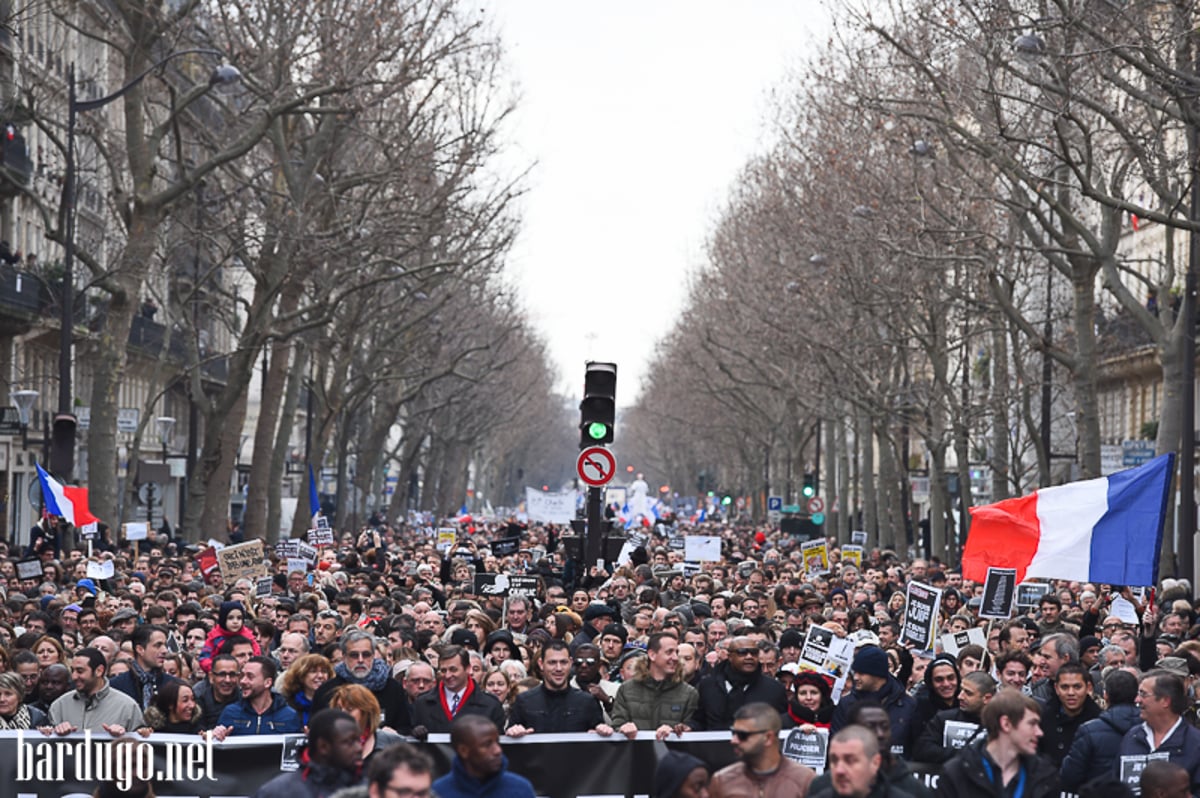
(166, 432)
(23, 400)
(62, 449)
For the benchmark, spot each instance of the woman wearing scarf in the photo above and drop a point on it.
(302, 681)
(174, 710)
(810, 703)
(13, 713)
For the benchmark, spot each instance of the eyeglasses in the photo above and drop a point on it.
(744, 652)
(359, 655)
(585, 660)
(746, 734)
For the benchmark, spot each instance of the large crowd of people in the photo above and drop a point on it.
(384, 640)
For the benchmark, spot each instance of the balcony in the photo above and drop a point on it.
(16, 167)
(22, 297)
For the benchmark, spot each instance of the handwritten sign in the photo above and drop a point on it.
(702, 548)
(245, 560)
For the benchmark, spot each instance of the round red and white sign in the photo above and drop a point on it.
(816, 505)
(596, 466)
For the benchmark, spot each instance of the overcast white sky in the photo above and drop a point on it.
(638, 114)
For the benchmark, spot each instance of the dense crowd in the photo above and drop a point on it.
(384, 639)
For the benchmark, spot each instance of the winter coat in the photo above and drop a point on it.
(156, 720)
(210, 707)
(310, 781)
(1182, 747)
(216, 638)
(556, 711)
(460, 784)
(900, 706)
(928, 745)
(789, 779)
(1058, 730)
(648, 704)
(1094, 749)
(965, 776)
(278, 719)
(393, 703)
(427, 709)
(897, 775)
(721, 696)
(129, 684)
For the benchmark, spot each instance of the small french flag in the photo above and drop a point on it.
(1099, 530)
(54, 496)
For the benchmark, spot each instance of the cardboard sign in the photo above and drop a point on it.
(953, 642)
(320, 537)
(958, 733)
(135, 530)
(858, 538)
(100, 570)
(446, 538)
(809, 750)
(852, 554)
(921, 616)
(825, 652)
(29, 569)
(245, 560)
(815, 554)
(505, 546)
(999, 591)
(702, 548)
(1029, 594)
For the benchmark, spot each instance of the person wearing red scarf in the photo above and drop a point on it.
(454, 694)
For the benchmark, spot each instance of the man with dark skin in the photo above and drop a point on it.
(52, 683)
(735, 683)
(587, 676)
(334, 759)
(892, 769)
(479, 765)
(1162, 779)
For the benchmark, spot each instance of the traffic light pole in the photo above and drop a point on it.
(596, 529)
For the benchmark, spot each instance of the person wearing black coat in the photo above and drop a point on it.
(873, 681)
(453, 695)
(940, 693)
(976, 690)
(1094, 750)
(1006, 762)
(733, 684)
(555, 706)
(1071, 707)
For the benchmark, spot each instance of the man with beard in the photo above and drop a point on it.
(554, 706)
(1069, 708)
(873, 681)
(734, 683)
(761, 769)
(893, 771)
(360, 665)
(933, 746)
(587, 677)
(939, 693)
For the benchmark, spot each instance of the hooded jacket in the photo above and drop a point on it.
(311, 781)
(1094, 749)
(900, 706)
(458, 783)
(928, 746)
(929, 703)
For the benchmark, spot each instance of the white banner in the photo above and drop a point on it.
(550, 508)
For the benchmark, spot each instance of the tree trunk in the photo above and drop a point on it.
(1001, 396)
(866, 444)
(845, 500)
(1084, 288)
(283, 440)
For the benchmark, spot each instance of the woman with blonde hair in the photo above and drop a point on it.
(363, 706)
(302, 680)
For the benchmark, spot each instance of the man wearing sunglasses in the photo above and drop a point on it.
(761, 768)
(733, 684)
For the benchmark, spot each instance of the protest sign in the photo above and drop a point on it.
(858, 538)
(550, 508)
(957, 733)
(320, 537)
(953, 642)
(505, 585)
(29, 569)
(825, 652)
(307, 552)
(297, 564)
(285, 549)
(135, 530)
(999, 590)
(921, 616)
(446, 538)
(702, 548)
(1029, 594)
(506, 546)
(90, 531)
(242, 560)
(1132, 765)
(808, 749)
(852, 554)
(262, 587)
(815, 554)
(100, 570)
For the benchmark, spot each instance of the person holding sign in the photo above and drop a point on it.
(1006, 763)
(1162, 700)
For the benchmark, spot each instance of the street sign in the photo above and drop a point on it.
(774, 504)
(818, 518)
(1136, 453)
(816, 504)
(791, 508)
(596, 466)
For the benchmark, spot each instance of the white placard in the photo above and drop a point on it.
(136, 530)
(297, 564)
(100, 570)
(550, 508)
(702, 548)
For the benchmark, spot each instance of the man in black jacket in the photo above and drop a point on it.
(554, 706)
(454, 694)
(935, 745)
(145, 676)
(1007, 761)
(1070, 708)
(873, 681)
(737, 681)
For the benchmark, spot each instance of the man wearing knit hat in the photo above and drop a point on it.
(872, 680)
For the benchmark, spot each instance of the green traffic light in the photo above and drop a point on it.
(808, 491)
(597, 430)
(727, 501)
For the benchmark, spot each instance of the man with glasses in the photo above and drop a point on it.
(761, 768)
(217, 691)
(738, 681)
(1162, 699)
(360, 665)
(400, 771)
(554, 706)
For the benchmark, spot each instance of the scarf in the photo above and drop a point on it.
(374, 681)
(21, 719)
(305, 705)
(466, 693)
(145, 681)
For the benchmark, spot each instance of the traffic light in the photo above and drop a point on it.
(810, 485)
(598, 410)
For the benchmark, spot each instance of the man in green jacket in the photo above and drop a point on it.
(660, 700)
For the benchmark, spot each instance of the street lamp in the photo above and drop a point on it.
(23, 400)
(62, 451)
(166, 432)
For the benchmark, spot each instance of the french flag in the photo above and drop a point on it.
(65, 501)
(1099, 530)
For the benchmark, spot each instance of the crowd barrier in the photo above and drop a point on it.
(559, 765)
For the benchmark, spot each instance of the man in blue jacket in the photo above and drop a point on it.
(872, 680)
(479, 767)
(1162, 700)
(261, 710)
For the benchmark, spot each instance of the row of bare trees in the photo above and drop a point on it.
(345, 225)
(928, 260)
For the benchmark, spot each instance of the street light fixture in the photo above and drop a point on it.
(62, 451)
(23, 400)
(166, 432)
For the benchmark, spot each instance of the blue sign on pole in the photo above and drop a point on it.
(775, 504)
(1136, 453)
